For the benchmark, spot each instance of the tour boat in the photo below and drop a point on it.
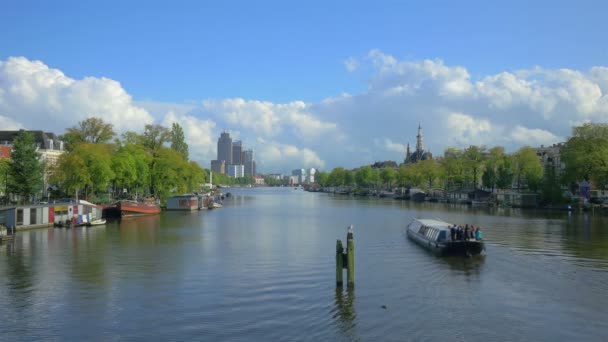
(434, 235)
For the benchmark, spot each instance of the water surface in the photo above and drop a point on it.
(262, 268)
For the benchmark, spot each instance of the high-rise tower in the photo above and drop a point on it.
(224, 148)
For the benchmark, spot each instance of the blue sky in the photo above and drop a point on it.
(181, 60)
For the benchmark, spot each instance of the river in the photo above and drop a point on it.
(262, 268)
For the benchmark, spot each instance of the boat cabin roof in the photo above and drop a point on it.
(438, 224)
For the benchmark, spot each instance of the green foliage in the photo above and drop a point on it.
(504, 173)
(473, 162)
(5, 166)
(339, 177)
(551, 191)
(453, 168)
(88, 167)
(178, 142)
(25, 170)
(495, 159)
(92, 130)
(155, 136)
(528, 167)
(322, 178)
(364, 176)
(585, 155)
(388, 176)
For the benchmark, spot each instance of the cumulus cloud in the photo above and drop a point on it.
(509, 108)
(198, 133)
(39, 97)
(533, 136)
(287, 157)
(269, 119)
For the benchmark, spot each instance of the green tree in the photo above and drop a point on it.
(490, 174)
(505, 173)
(364, 176)
(71, 173)
(25, 168)
(429, 170)
(551, 191)
(178, 142)
(388, 175)
(5, 166)
(155, 136)
(91, 130)
(473, 156)
(585, 155)
(337, 177)
(321, 178)
(528, 167)
(453, 168)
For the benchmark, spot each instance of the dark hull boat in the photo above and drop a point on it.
(434, 235)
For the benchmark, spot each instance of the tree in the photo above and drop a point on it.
(5, 166)
(453, 166)
(473, 156)
(428, 170)
(388, 175)
(585, 155)
(490, 174)
(92, 130)
(529, 167)
(505, 174)
(363, 176)
(25, 170)
(71, 173)
(155, 136)
(178, 142)
(321, 178)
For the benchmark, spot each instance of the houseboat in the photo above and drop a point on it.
(434, 235)
(185, 202)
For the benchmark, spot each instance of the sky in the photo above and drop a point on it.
(309, 83)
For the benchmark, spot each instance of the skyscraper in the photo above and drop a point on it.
(237, 151)
(249, 163)
(224, 148)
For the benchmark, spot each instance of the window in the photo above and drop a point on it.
(442, 236)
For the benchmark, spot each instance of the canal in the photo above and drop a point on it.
(262, 268)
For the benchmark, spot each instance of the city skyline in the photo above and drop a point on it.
(336, 93)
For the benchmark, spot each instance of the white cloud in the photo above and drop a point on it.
(38, 97)
(388, 145)
(351, 64)
(509, 108)
(199, 135)
(287, 157)
(9, 124)
(533, 137)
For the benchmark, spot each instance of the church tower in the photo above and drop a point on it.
(419, 147)
(407, 154)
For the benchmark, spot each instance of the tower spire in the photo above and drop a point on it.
(419, 146)
(407, 152)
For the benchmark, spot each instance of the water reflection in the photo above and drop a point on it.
(344, 312)
(467, 266)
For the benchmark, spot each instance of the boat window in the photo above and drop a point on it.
(33, 216)
(442, 235)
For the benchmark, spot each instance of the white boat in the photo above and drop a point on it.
(97, 222)
(434, 235)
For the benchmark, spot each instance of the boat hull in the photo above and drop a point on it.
(130, 208)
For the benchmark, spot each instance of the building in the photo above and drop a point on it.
(218, 166)
(49, 147)
(249, 163)
(224, 148)
(419, 154)
(311, 176)
(237, 152)
(298, 176)
(259, 180)
(550, 157)
(236, 171)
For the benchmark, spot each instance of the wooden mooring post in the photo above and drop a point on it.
(346, 260)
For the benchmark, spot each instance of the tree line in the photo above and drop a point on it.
(584, 155)
(98, 164)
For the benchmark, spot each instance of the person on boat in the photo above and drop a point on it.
(478, 235)
(465, 236)
(459, 233)
(453, 230)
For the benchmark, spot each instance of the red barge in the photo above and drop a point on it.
(126, 208)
